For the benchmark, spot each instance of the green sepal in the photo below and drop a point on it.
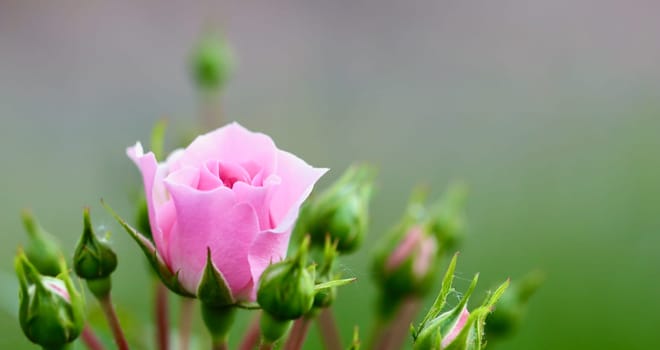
(441, 299)
(334, 283)
(355, 343)
(170, 279)
(471, 336)
(42, 250)
(213, 289)
(447, 216)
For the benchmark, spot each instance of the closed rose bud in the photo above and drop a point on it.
(42, 249)
(342, 211)
(286, 289)
(93, 257)
(51, 310)
(447, 218)
(212, 62)
(456, 328)
(512, 307)
(232, 193)
(410, 268)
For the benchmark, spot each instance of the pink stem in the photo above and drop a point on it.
(298, 334)
(162, 317)
(113, 322)
(251, 339)
(329, 331)
(392, 335)
(185, 324)
(90, 339)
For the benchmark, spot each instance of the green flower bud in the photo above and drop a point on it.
(93, 259)
(286, 289)
(342, 211)
(456, 328)
(51, 310)
(212, 63)
(447, 217)
(512, 307)
(42, 249)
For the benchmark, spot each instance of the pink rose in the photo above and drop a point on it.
(231, 191)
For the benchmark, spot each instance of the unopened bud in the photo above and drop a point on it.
(94, 260)
(51, 310)
(342, 211)
(42, 249)
(212, 62)
(286, 289)
(511, 309)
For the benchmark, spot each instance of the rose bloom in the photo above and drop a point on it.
(231, 191)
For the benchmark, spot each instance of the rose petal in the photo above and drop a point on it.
(259, 198)
(153, 189)
(298, 179)
(269, 247)
(232, 144)
(211, 219)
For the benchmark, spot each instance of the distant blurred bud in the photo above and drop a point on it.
(42, 249)
(51, 310)
(406, 262)
(511, 309)
(286, 289)
(457, 328)
(212, 62)
(447, 217)
(342, 211)
(94, 260)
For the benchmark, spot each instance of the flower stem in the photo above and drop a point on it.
(251, 338)
(113, 322)
(185, 322)
(90, 339)
(392, 334)
(298, 333)
(265, 346)
(329, 332)
(219, 345)
(161, 313)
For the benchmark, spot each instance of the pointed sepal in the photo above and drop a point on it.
(169, 278)
(42, 250)
(213, 289)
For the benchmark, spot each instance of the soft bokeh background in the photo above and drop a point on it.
(550, 110)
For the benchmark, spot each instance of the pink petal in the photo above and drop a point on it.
(153, 188)
(405, 248)
(232, 144)
(456, 330)
(259, 198)
(268, 247)
(211, 219)
(298, 179)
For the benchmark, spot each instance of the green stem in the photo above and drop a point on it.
(113, 322)
(219, 345)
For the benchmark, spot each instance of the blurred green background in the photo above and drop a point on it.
(549, 110)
